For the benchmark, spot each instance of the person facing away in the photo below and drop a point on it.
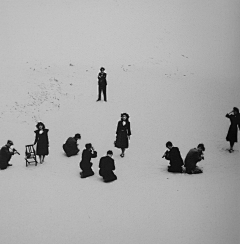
(102, 84)
(232, 135)
(176, 161)
(41, 139)
(123, 133)
(6, 153)
(86, 164)
(106, 167)
(194, 156)
(71, 147)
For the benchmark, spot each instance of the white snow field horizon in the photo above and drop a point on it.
(173, 66)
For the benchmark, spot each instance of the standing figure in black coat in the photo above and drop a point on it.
(86, 164)
(106, 167)
(102, 84)
(41, 139)
(123, 133)
(6, 153)
(176, 161)
(232, 134)
(71, 147)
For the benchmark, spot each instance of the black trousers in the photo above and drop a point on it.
(102, 89)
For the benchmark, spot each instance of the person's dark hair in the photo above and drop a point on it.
(169, 144)
(102, 69)
(125, 114)
(236, 109)
(201, 145)
(109, 152)
(40, 123)
(88, 145)
(77, 136)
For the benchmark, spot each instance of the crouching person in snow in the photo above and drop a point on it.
(86, 164)
(106, 167)
(194, 156)
(6, 153)
(176, 161)
(71, 147)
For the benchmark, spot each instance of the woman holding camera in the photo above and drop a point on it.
(232, 134)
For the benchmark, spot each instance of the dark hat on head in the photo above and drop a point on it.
(102, 68)
(10, 142)
(78, 136)
(201, 145)
(109, 152)
(40, 123)
(169, 144)
(236, 109)
(88, 145)
(125, 114)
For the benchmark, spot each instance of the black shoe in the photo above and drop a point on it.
(9, 165)
(98, 100)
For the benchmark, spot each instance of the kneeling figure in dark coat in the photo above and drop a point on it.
(176, 161)
(106, 167)
(86, 164)
(71, 147)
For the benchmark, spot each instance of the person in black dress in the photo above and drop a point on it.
(176, 161)
(232, 134)
(106, 167)
(123, 133)
(86, 164)
(41, 139)
(6, 153)
(102, 84)
(71, 147)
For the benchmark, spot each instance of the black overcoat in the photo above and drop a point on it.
(102, 79)
(71, 147)
(5, 156)
(123, 131)
(106, 167)
(42, 142)
(175, 157)
(86, 163)
(232, 134)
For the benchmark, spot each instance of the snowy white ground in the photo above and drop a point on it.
(173, 66)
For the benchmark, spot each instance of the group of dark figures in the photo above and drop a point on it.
(70, 147)
(123, 133)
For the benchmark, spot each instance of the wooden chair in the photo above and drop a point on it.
(30, 155)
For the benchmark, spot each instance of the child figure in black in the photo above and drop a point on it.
(86, 164)
(176, 161)
(232, 134)
(102, 84)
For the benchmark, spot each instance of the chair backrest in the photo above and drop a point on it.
(30, 150)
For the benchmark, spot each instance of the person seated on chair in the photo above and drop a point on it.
(194, 156)
(176, 161)
(6, 153)
(71, 147)
(86, 164)
(106, 167)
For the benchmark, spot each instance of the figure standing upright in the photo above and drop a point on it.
(123, 133)
(41, 139)
(232, 134)
(102, 84)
